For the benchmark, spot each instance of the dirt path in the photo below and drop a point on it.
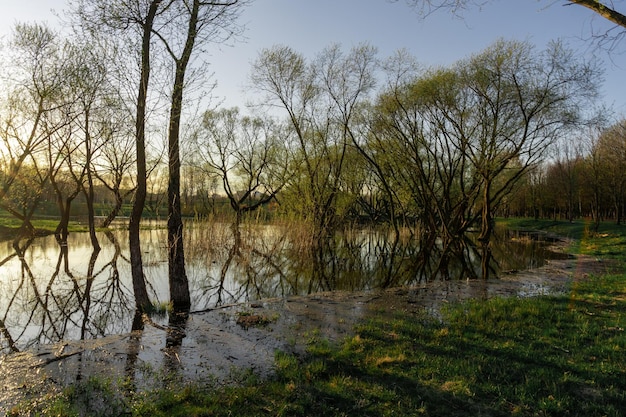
(220, 344)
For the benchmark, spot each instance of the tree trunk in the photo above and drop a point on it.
(89, 193)
(486, 231)
(119, 201)
(179, 284)
(64, 206)
(62, 231)
(486, 226)
(139, 284)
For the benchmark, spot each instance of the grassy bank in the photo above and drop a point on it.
(548, 356)
(609, 242)
(10, 226)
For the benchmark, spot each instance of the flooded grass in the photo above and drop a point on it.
(544, 356)
(553, 355)
(562, 355)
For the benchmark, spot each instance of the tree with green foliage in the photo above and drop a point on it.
(461, 138)
(611, 146)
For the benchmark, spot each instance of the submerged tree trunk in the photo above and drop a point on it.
(486, 230)
(65, 206)
(179, 283)
(89, 192)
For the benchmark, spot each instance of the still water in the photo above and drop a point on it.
(51, 292)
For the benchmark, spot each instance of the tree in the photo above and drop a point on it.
(66, 174)
(523, 102)
(401, 69)
(89, 81)
(612, 149)
(414, 140)
(24, 196)
(116, 160)
(249, 154)
(594, 176)
(37, 104)
(123, 16)
(139, 284)
(190, 24)
(459, 139)
(320, 100)
(566, 169)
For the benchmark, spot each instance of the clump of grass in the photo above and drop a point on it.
(212, 238)
(96, 397)
(248, 319)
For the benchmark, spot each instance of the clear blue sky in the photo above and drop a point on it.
(309, 26)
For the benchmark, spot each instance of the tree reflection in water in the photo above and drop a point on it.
(52, 292)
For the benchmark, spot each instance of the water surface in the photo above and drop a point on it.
(51, 292)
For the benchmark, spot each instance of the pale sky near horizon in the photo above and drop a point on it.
(440, 39)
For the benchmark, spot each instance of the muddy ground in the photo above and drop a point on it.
(222, 344)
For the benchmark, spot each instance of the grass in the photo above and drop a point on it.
(608, 242)
(9, 226)
(559, 355)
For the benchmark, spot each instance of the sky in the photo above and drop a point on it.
(440, 39)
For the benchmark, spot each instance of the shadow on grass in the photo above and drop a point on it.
(552, 356)
(549, 356)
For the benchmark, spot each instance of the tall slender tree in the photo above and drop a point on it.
(139, 284)
(191, 23)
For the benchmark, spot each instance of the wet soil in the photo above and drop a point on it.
(222, 344)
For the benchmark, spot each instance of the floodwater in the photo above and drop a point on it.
(67, 312)
(51, 292)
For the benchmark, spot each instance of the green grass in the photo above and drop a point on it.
(577, 229)
(559, 355)
(9, 226)
(609, 242)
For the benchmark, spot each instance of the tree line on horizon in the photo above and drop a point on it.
(582, 180)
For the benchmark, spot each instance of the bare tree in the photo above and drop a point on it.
(37, 104)
(114, 166)
(320, 99)
(136, 18)
(608, 10)
(89, 82)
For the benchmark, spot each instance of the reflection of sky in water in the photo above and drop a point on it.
(43, 255)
